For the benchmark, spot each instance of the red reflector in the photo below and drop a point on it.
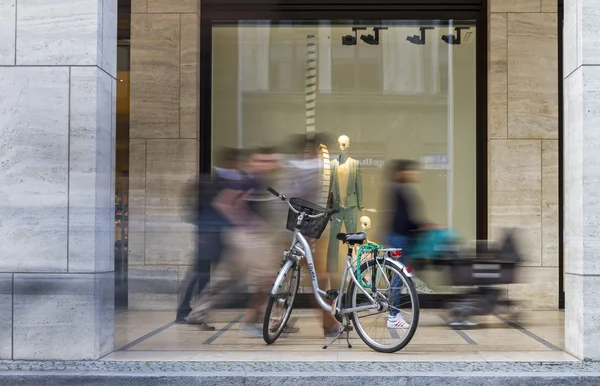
(396, 254)
(408, 269)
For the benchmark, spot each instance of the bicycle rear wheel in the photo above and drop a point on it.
(397, 293)
(279, 308)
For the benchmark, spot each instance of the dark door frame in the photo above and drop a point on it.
(231, 11)
(561, 252)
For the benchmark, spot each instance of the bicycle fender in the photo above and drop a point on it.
(401, 267)
(280, 277)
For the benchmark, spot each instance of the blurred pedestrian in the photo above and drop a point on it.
(301, 177)
(405, 218)
(214, 212)
(248, 252)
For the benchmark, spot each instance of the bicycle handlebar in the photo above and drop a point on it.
(276, 193)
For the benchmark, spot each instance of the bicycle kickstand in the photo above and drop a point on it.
(347, 331)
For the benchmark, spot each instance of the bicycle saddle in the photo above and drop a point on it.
(352, 238)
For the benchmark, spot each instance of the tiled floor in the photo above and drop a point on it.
(152, 336)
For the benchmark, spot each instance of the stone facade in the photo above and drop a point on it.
(163, 146)
(57, 154)
(522, 146)
(582, 177)
(523, 140)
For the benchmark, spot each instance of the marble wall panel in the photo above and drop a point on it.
(573, 172)
(7, 32)
(574, 315)
(171, 165)
(34, 137)
(498, 76)
(550, 209)
(155, 46)
(104, 317)
(549, 5)
(572, 48)
(189, 79)
(515, 193)
(6, 317)
(50, 307)
(57, 32)
(91, 200)
(107, 36)
(589, 39)
(139, 6)
(536, 289)
(180, 6)
(591, 169)
(532, 80)
(582, 316)
(153, 288)
(550, 171)
(591, 320)
(137, 201)
(550, 234)
(514, 6)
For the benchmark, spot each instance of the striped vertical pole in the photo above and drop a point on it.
(311, 82)
(310, 100)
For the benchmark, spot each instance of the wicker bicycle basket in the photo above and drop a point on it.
(310, 227)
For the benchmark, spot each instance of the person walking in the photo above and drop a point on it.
(248, 252)
(405, 218)
(203, 197)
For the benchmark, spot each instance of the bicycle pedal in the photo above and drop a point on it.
(331, 294)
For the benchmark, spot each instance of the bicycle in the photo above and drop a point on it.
(366, 290)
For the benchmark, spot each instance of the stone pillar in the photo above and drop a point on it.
(523, 141)
(582, 177)
(57, 154)
(163, 155)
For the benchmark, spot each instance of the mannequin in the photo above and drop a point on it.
(365, 225)
(345, 190)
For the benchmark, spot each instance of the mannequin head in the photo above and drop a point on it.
(344, 142)
(365, 223)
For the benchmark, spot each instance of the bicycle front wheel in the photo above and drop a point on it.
(393, 326)
(281, 304)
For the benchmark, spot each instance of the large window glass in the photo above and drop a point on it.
(407, 91)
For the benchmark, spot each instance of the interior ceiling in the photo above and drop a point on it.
(124, 21)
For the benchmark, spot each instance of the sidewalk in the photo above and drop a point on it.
(18, 373)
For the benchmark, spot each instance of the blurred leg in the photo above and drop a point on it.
(208, 250)
(320, 259)
(397, 241)
(333, 249)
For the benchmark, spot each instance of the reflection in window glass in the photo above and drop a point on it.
(394, 100)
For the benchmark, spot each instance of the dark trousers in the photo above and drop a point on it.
(208, 250)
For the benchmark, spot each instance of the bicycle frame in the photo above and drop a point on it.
(304, 250)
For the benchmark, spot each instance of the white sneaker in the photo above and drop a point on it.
(397, 322)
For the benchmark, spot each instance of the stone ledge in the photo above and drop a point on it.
(300, 379)
(291, 367)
